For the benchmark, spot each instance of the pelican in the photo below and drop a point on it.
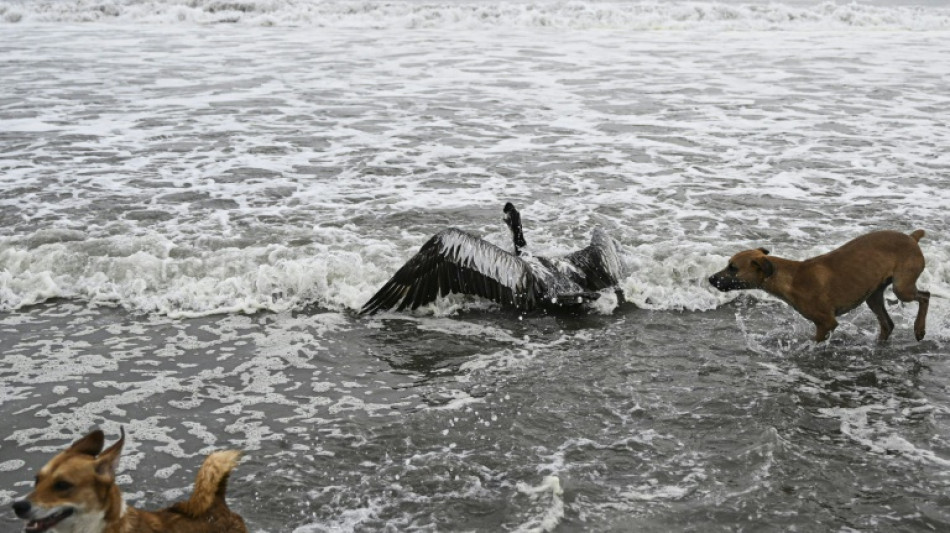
(454, 261)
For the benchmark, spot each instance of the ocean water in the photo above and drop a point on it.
(197, 196)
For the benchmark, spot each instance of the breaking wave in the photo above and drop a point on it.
(150, 274)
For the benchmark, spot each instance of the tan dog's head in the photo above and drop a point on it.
(74, 490)
(746, 270)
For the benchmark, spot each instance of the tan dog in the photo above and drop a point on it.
(76, 493)
(832, 284)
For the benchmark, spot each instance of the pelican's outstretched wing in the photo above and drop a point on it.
(453, 261)
(600, 265)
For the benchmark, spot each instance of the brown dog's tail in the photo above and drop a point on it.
(210, 484)
(917, 235)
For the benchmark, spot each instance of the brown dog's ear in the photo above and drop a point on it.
(765, 266)
(108, 462)
(91, 444)
(764, 251)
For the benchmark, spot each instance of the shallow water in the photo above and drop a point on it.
(192, 213)
(651, 420)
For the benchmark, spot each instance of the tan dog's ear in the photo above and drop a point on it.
(765, 266)
(108, 462)
(764, 251)
(91, 444)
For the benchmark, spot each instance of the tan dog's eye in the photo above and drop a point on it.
(732, 268)
(62, 486)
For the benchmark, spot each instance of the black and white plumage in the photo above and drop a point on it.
(454, 261)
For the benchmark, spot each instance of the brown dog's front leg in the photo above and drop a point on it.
(825, 326)
(876, 303)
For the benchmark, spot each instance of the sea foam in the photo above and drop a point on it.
(631, 15)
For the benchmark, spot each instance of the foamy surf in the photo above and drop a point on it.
(550, 495)
(868, 426)
(228, 281)
(629, 16)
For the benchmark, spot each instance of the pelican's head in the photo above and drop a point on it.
(513, 220)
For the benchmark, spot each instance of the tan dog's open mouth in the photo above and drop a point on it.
(44, 524)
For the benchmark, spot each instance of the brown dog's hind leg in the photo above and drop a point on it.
(920, 324)
(876, 303)
(905, 287)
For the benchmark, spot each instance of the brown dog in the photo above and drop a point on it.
(76, 493)
(832, 284)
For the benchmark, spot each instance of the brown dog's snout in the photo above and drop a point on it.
(725, 283)
(22, 508)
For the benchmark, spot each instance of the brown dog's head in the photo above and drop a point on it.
(73, 492)
(746, 270)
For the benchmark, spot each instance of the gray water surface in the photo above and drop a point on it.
(191, 215)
